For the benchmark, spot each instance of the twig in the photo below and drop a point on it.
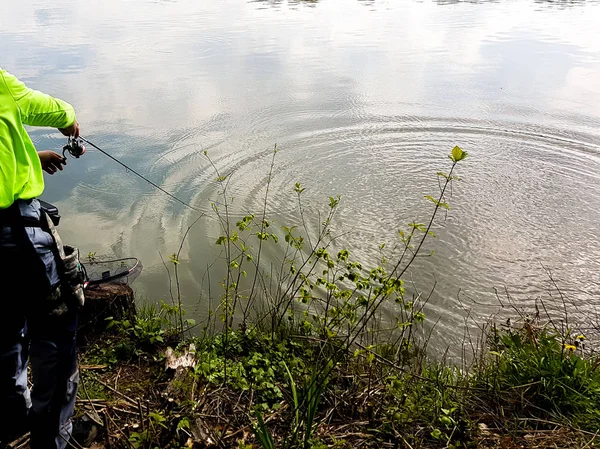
(91, 367)
(592, 440)
(120, 431)
(117, 377)
(552, 423)
(141, 411)
(124, 396)
(403, 439)
(95, 401)
(19, 442)
(177, 273)
(122, 410)
(170, 279)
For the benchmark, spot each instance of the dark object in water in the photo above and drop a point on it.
(116, 271)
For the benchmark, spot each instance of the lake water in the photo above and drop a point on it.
(364, 99)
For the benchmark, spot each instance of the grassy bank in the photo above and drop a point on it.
(321, 350)
(530, 387)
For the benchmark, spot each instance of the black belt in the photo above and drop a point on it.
(11, 216)
(24, 222)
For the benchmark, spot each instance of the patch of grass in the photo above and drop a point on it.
(91, 387)
(535, 371)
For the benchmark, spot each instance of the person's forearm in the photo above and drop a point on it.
(44, 110)
(37, 108)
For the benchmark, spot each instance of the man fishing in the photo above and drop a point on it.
(38, 318)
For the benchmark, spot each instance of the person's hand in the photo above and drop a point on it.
(71, 131)
(51, 161)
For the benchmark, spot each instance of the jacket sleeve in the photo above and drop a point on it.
(37, 108)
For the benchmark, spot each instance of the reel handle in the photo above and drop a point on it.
(75, 148)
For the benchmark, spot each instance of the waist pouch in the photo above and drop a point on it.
(71, 272)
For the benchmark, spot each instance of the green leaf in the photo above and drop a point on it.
(446, 420)
(158, 418)
(417, 226)
(457, 154)
(437, 434)
(333, 202)
(437, 202)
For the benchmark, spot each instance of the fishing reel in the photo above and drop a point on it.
(75, 148)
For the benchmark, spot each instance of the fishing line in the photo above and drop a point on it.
(138, 174)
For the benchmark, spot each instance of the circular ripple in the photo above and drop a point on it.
(527, 200)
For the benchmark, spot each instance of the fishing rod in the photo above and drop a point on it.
(75, 148)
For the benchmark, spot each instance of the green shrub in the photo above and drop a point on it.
(534, 371)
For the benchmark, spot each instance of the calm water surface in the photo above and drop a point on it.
(364, 99)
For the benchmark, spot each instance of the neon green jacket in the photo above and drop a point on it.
(20, 168)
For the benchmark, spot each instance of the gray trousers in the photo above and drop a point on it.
(30, 330)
